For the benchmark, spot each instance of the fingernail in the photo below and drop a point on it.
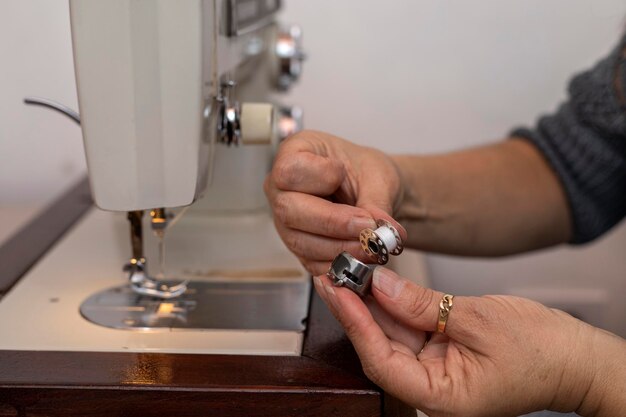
(359, 223)
(402, 229)
(331, 296)
(326, 292)
(387, 282)
(329, 290)
(317, 282)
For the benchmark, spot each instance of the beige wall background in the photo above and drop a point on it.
(404, 76)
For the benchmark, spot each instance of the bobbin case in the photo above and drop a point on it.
(347, 271)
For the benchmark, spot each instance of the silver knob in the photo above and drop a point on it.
(247, 124)
(290, 55)
(229, 122)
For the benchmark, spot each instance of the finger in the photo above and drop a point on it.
(315, 267)
(396, 372)
(419, 307)
(396, 330)
(319, 216)
(307, 172)
(314, 247)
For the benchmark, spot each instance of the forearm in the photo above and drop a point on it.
(495, 200)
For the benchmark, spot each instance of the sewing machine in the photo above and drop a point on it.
(180, 256)
(178, 130)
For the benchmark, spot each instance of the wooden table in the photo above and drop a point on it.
(327, 380)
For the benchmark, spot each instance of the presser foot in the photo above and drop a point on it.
(142, 283)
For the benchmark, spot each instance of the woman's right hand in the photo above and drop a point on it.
(499, 355)
(324, 190)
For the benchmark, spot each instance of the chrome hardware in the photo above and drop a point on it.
(229, 116)
(229, 123)
(380, 243)
(140, 281)
(290, 55)
(290, 121)
(347, 271)
(245, 124)
(159, 219)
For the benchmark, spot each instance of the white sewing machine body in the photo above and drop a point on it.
(150, 77)
(139, 73)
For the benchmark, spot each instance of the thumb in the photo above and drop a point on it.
(419, 307)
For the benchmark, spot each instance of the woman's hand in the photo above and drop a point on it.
(499, 356)
(324, 190)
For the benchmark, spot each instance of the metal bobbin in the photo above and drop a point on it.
(380, 243)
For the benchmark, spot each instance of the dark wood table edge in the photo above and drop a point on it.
(328, 362)
(26, 246)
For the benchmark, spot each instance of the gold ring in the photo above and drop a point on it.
(445, 305)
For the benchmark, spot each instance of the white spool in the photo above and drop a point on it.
(258, 126)
(388, 237)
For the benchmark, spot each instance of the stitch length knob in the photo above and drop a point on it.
(380, 243)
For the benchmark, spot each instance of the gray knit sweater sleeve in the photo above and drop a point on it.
(585, 143)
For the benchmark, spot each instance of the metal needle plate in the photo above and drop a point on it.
(205, 305)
